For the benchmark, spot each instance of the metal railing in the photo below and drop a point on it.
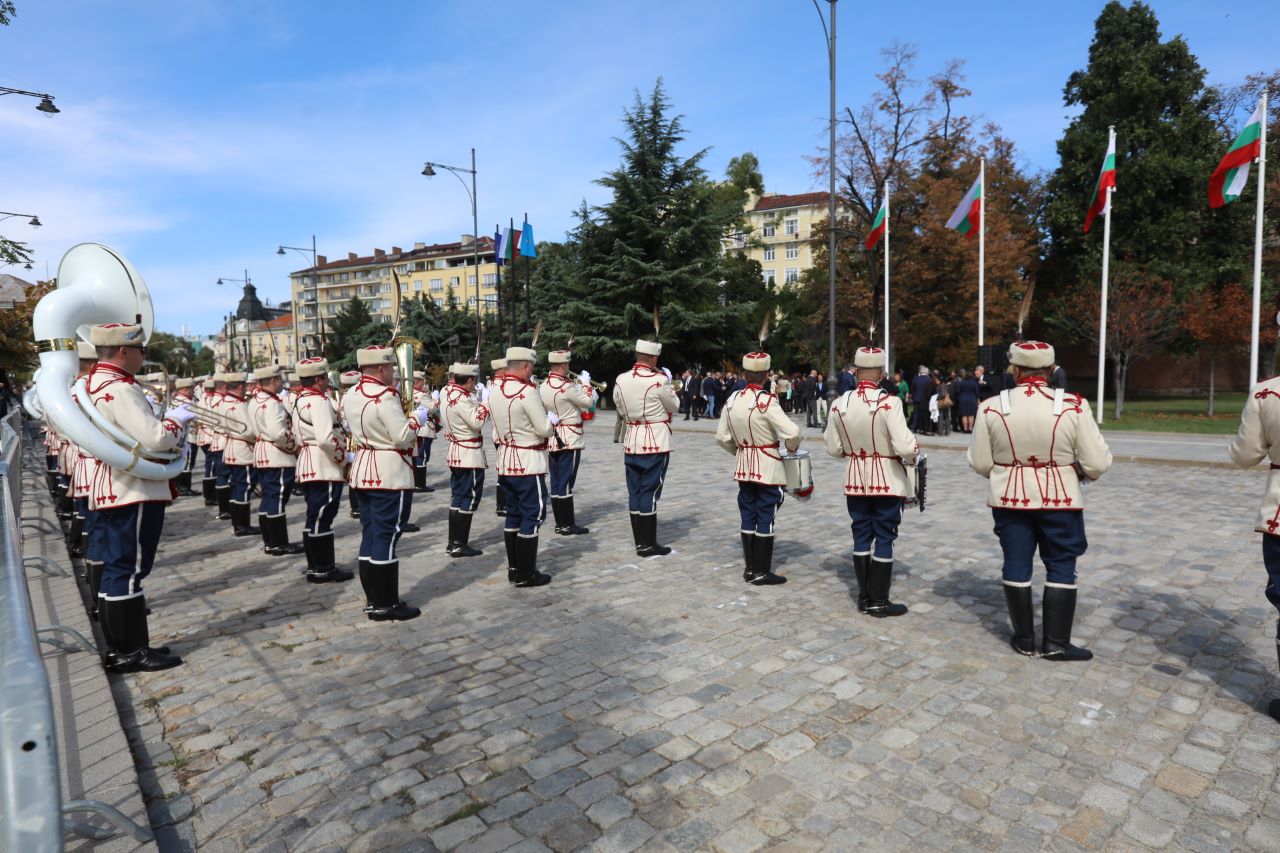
(32, 812)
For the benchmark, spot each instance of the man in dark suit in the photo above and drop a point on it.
(711, 388)
(921, 391)
(811, 399)
(846, 382)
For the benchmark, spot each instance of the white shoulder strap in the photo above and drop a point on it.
(1004, 402)
(1058, 394)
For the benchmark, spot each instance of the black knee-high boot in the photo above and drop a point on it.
(1059, 615)
(879, 578)
(1022, 618)
(860, 563)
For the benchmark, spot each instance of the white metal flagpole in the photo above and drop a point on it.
(982, 249)
(1257, 250)
(886, 278)
(1106, 267)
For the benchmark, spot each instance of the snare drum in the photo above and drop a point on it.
(798, 467)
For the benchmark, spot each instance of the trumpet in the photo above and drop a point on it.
(211, 418)
(596, 384)
(677, 385)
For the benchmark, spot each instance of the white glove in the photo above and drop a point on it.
(585, 377)
(351, 458)
(435, 396)
(421, 414)
(180, 416)
(484, 394)
(554, 418)
(667, 372)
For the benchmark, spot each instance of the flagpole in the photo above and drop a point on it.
(886, 278)
(982, 249)
(1257, 248)
(1106, 267)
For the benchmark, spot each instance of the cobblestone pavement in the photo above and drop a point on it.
(663, 704)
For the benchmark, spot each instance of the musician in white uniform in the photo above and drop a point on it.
(568, 399)
(521, 428)
(463, 417)
(184, 393)
(204, 439)
(319, 472)
(237, 453)
(1036, 444)
(868, 428)
(496, 368)
(754, 428)
(645, 401)
(275, 458)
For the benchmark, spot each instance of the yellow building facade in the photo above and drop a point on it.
(446, 273)
(779, 233)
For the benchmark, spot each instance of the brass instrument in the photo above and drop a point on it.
(164, 390)
(596, 384)
(406, 349)
(677, 385)
(211, 418)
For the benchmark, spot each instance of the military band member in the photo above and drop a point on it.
(754, 428)
(383, 469)
(237, 453)
(76, 460)
(204, 438)
(463, 418)
(645, 400)
(521, 427)
(569, 400)
(496, 367)
(130, 509)
(1256, 442)
(868, 427)
(218, 446)
(321, 459)
(183, 393)
(348, 379)
(274, 457)
(1036, 444)
(426, 435)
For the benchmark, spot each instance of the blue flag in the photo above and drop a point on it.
(497, 244)
(527, 248)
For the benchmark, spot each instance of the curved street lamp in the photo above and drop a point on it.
(304, 341)
(429, 171)
(46, 101)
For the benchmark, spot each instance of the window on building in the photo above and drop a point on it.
(420, 265)
(471, 280)
(770, 276)
(455, 281)
(402, 269)
(439, 302)
(490, 279)
(768, 229)
(791, 276)
(471, 301)
(491, 302)
(793, 252)
(385, 288)
(437, 285)
(417, 285)
(791, 226)
(768, 253)
(404, 287)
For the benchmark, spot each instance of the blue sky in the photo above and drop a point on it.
(196, 136)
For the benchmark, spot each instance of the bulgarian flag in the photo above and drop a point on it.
(968, 216)
(877, 227)
(1101, 202)
(510, 243)
(1232, 174)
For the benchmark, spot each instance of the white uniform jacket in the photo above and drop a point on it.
(384, 437)
(240, 435)
(121, 401)
(276, 446)
(184, 396)
(217, 435)
(1034, 444)
(753, 427)
(867, 426)
(423, 399)
(323, 442)
(463, 420)
(645, 401)
(520, 428)
(1258, 440)
(569, 400)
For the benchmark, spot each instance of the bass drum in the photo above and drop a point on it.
(798, 467)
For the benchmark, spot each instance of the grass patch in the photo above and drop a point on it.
(238, 680)
(247, 758)
(288, 647)
(320, 661)
(465, 812)
(151, 702)
(1178, 415)
(176, 763)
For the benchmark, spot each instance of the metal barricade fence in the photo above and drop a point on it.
(32, 812)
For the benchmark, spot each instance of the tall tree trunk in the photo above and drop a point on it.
(1120, 374)
(1213, 363)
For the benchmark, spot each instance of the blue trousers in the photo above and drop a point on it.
(191, 457)
(277, 486)
(128, 537)
(238, 477)
(645, 475)
(93, 540)
(1271, 559)
(1059, 534)
(208, 463)
(874, 524)
(422, 452)
(466, 486)
(758, 505)
(383, 515)
(323, 499)
(221, 472)
(526, 503)
(563, 470)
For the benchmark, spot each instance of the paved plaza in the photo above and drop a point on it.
(662, 704)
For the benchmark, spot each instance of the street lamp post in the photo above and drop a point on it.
(34, 222)
(830, 35)
(46, 101)
(314, 289)
(231, 354)
(428, 170)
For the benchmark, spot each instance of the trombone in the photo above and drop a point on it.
(595, 384)
(213, 419)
